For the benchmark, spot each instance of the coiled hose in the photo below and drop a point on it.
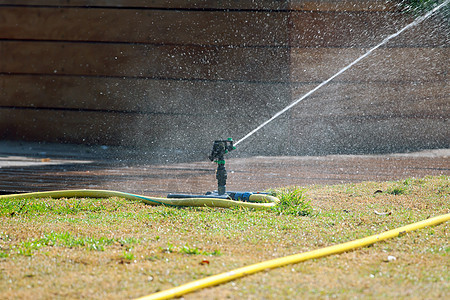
(260, 201)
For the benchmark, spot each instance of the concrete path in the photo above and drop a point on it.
(27, 167)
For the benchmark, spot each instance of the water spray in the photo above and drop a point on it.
(412, 24)
(221, 147)
(221, 197)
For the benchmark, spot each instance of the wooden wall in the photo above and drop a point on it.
(159, 74)
(175, 75)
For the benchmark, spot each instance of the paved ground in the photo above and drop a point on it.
(26, 167)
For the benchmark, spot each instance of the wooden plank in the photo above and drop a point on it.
(324, 5)
(182, 132)
(250, 64)
(177, 62)
(351, 135)
(140, 95)
(173, 96)
(385, 64)
(173, 4)
(374, 99)
(101, 128)
(362, 29)
(241, 28)
(342, 5)
(432, 32)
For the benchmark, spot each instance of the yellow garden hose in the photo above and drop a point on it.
(292, 259)
(256, 200)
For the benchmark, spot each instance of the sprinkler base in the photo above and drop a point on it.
(237, 196)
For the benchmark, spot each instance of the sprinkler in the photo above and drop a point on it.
(219, 149)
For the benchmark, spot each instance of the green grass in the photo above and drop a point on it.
(187, 249)
(96, 248)
(55, 206)
(292, 202)
(128, 255)
(63, 239)
(402, 188)
(192, 250)
(398, 190)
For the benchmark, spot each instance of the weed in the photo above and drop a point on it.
(152, 257)
(190, 250)
(98, 244)
(215, 253)
(186, 249)
(403, 187)
(292, 202)
(169, 249)
(26, 248)
(128, 241)
(127, 255)
(398, 190)
(443, 189)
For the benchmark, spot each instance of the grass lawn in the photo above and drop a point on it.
(115, 248)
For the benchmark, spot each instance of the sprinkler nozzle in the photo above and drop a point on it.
(220, 148)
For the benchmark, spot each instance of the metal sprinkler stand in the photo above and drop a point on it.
(220, 148)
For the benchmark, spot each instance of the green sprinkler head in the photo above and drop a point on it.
(220, 148)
